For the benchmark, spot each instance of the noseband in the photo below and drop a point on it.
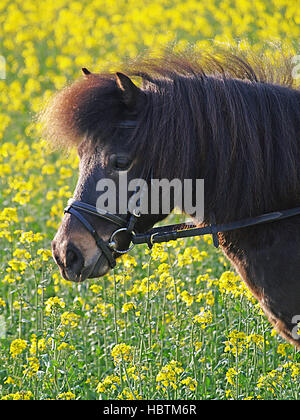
(110, 247)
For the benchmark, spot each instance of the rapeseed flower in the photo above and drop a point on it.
(32, 367)
(108, 384)
(66, 396)
(127, 307)
(17, 347)
(168, 376)
(189, 383)
(52, 304)
(21, 395)
(103, 308)
(37, 345)
(237, 341)
(204, 318)
(127, 394)
(231, 374)
(69, 319)
(122, 353)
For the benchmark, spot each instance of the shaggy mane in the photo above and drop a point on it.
(78, 108)
(229, 117)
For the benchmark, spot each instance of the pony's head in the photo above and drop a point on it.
(102, 115)
(206, 117)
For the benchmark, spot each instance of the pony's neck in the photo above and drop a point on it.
(241, 137)
(248, 148)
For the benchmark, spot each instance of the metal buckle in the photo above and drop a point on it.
(112, 244)
(136, 213)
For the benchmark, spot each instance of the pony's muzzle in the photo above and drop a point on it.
(69, 259)
(74, 259)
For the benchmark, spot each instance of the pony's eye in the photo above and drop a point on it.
(120, 162)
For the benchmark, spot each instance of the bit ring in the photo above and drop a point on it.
(112, 244)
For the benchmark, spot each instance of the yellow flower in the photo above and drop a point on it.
(163, 268)
(127, 307)
(22, 395)
(21, 254)
(158, 253)
(45, 253)
(10, 280)
(29, 237)
(187, 298)
(22, 197)
(230, 375)
(228, 393)
(207, 296)
(135, 373)
(96, 288)
(35, 345)
(32, 367)
(8, 214)
(126, 394)
(122, 353)
(274, 380)
(189, 383)
(65, 346)
(69, 319)
(281, 349)
(295, 370)
(257, 339)
(52, 304)
(237, 341)
(108, 384)
(168, 375)
(35, 186)
(229, 283)
(17, 265)
(66, 396)
(204, 318)
(65, 172)
(17, 346)
(198, 345)
(189, 255)
(103, 308)
(9, 380)
(129, 261)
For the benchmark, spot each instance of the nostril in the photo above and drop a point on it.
(71, 258)
(74, 259)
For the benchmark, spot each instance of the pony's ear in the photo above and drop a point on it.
(131, 94)
(85, 71)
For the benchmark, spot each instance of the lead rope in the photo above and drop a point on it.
(174, 232)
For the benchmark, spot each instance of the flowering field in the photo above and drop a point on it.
(176, 322)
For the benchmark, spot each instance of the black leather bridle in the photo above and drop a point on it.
(109, 249)
(124, 225)
(163, 233)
